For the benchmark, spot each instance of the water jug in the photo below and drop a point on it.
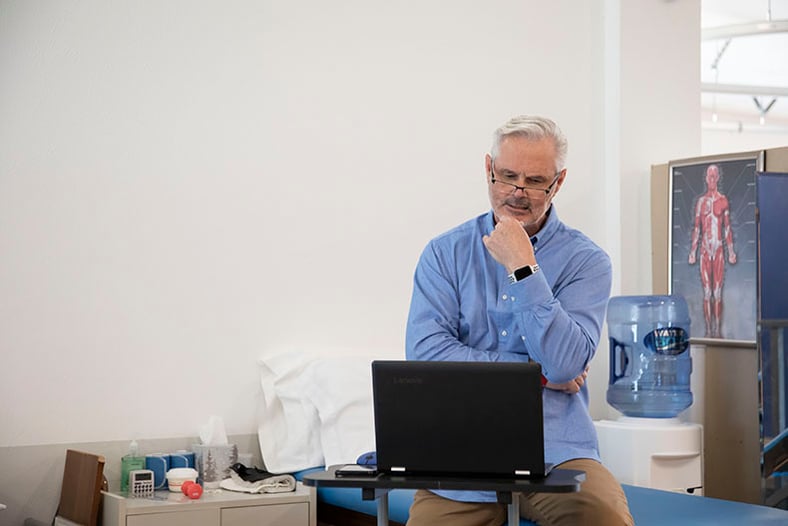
(650, 362)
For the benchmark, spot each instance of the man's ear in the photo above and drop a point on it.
(560, 181)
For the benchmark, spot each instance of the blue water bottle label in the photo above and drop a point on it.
(667, 340)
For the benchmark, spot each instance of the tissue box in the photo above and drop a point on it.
(213, 463)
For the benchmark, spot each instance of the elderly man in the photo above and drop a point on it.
(516, 284)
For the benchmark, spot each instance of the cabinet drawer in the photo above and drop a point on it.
(181, 518)
(269, 515)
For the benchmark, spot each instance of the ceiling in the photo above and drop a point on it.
(754, 66)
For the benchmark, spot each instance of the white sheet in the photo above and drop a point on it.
(341, 390)
(288, 425)
(317, 410)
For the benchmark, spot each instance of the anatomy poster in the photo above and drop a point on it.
(713, 246)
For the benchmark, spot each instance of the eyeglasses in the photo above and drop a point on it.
(534, 183)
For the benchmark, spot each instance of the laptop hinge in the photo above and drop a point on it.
(397, 468)
(522, 472)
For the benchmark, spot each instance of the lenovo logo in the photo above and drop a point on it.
(408, 380)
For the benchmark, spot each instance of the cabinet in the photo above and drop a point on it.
(214, 508)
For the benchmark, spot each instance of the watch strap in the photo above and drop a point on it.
(523, 272)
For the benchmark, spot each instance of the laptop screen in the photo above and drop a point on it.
(459, 418)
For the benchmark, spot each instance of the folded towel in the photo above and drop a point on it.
(273, 484)
(253, 480)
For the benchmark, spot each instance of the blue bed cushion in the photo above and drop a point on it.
(649, 507)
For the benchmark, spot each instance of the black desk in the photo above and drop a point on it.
(508, 490)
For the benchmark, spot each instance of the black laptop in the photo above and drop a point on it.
(459, 418)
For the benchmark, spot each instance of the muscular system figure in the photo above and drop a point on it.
(712, 227)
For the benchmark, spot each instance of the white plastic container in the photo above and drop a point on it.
(177, 476)
(660, 453)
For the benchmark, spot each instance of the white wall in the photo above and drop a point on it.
(188, 185)
(659, 118)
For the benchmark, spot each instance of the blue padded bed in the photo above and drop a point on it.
(649, 507)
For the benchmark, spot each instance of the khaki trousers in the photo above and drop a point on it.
(600, 501)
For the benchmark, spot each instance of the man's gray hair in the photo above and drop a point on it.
(533, 128)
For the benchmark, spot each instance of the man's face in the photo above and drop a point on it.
(523, 162)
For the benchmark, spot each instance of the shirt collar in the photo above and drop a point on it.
(549, 228)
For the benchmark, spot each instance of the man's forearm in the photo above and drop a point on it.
(443, 347)
(562, 331)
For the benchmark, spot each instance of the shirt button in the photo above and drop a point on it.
(511, 298)
(522, 338)
(504, 297)
(504, 333)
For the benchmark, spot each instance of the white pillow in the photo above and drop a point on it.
(288, 423)
(341, 390)
(317, 410)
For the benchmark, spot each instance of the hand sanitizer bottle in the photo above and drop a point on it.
(129, 463)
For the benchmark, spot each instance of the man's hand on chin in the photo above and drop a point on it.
(510, 245)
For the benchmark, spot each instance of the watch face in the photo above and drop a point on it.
(523, 272)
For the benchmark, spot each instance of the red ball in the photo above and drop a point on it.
(193, 491)
(185, 486)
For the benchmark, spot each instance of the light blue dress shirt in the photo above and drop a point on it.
(464, 308)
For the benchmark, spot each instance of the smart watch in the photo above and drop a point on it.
(523, 272)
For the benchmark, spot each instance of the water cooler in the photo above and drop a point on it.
(650, 369)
